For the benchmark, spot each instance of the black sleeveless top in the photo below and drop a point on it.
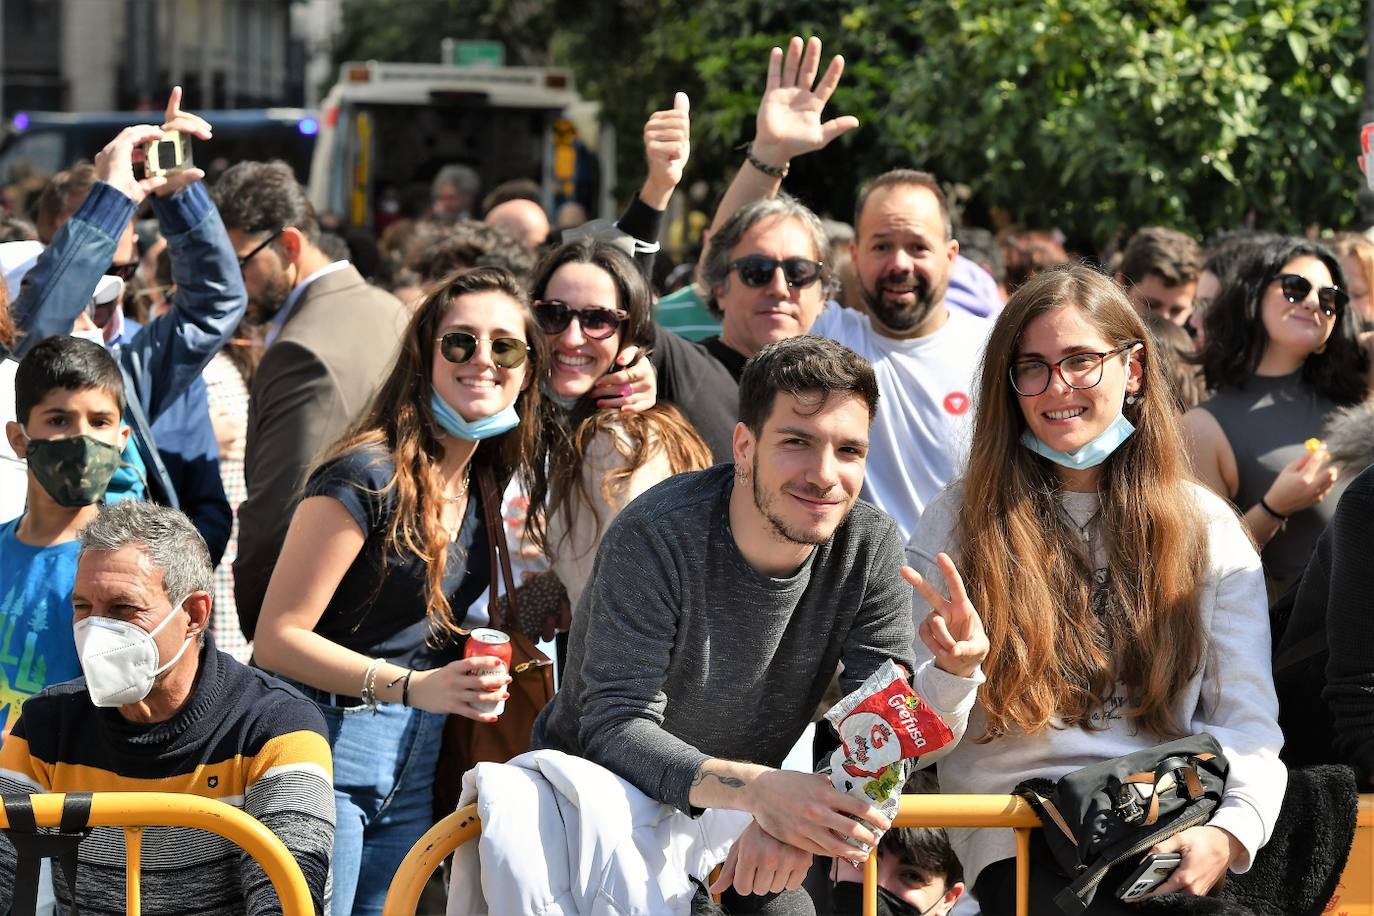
(1267, 423)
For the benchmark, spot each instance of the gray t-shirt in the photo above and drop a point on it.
(680, 650)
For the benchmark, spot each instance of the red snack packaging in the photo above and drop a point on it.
(882, 725)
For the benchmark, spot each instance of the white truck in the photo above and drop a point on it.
(387, 128)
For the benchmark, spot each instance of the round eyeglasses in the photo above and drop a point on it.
(460, 346)
(1030, 377)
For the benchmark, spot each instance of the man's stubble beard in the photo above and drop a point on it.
(265, 307)
(764, 503)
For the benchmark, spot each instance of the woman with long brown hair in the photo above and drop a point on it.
(1107, 604)
(384, 555)
(591, 301)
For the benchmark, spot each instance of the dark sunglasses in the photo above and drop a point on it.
(1297, 288)
(460, 346)
(554, 316)
(123, 271)
(757, 270)
(268, 241)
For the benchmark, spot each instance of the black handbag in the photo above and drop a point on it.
(1113, 812)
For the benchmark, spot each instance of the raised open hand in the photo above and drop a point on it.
(952, 631)
(789, 118)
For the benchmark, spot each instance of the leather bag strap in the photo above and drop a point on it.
(497, 549)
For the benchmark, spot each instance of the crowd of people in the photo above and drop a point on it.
(255, 470)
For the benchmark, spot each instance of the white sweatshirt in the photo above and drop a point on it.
(1232, 698)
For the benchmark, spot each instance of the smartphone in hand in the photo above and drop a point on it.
(1154, 870)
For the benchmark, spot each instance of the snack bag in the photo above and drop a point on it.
(883, 726)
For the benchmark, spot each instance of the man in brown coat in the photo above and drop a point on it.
(331, 339)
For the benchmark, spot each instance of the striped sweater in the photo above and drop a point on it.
(243, 738)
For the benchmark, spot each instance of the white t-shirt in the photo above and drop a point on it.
(14, 476)
(920, 437)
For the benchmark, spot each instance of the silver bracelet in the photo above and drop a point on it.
(370, 684)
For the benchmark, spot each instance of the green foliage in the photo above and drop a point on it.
(1096, 116)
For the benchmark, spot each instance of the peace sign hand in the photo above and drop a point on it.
(789, 117)
(952, 631)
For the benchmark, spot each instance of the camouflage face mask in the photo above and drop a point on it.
(74, 471)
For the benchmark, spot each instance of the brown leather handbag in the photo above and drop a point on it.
(468, 742)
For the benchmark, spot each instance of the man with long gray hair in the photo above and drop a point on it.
(161, 710)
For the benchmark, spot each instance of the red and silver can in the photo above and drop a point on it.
(484, 642)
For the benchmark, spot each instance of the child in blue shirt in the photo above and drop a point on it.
(68, 398)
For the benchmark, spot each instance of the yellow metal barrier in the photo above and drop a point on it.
(1354, 893)
(136, 810)
(426, 855)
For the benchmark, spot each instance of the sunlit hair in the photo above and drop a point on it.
(1029, 573)
(568, 434)
(1236, 339)
(1356, 247)
(9, 334)
(399, 420)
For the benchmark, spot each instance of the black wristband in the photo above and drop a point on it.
(773, 171)
(1270, 509)
(405, 688)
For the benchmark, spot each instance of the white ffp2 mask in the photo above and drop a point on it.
(120, 659)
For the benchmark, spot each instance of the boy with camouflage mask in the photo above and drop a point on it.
(69, 397)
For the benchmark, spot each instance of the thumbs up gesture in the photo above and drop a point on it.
(667, 146)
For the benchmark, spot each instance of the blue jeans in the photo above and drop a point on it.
(383, 795)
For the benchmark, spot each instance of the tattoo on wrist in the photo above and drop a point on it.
(730, 782)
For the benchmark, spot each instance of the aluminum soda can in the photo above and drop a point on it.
(484, 642)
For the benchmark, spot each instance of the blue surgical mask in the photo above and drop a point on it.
(1087, 456)
(503, 421)
(565, 402)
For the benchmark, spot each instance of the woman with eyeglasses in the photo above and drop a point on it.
(1107, 603)
(384, 554)
(1281, 355)
(591, 302)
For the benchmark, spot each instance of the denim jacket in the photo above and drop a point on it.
(168, 354)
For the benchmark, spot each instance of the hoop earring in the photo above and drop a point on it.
(1320, 350)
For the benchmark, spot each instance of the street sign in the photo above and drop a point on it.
(474, 53)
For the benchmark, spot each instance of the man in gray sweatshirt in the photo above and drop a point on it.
(719, 607)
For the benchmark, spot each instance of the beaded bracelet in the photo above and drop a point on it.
(773, 171)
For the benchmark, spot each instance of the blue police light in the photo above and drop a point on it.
(21, 121)
(308, 126)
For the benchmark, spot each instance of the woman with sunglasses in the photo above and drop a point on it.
(1107, 603)
(591, 302)
(1281, 354)
(385, 553)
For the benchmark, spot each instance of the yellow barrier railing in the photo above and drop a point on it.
(403, 897)
(136, 810)
(1354, 893)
